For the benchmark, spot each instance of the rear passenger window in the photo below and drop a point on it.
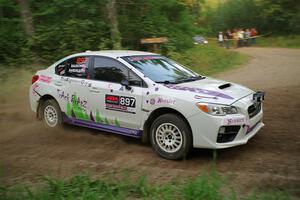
(74, 67)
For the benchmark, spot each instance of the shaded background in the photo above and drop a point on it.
(43, 31)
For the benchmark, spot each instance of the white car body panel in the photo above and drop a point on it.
(180, 97)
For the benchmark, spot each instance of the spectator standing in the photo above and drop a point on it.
(253, 34)
(235, 38)
(240, 34)
(221, 38)
(247, 37)
(227, 38)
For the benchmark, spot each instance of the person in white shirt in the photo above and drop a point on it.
(240, 34)
(221, 39)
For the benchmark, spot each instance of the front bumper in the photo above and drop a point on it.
(205, 128)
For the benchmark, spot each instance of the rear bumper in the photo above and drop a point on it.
(33, 99)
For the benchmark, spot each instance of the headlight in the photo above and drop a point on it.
(218, 110)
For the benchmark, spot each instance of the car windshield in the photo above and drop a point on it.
(161, 69)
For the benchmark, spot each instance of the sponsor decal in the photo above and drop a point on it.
(199, 90)
(75, 69)
(165, 101)
(79, 66)
(85, 83)
(78, 101)
(161, 100)
(152, 101)
(67, 79)
(234, 121)
(35, 86)
(80, 60)
(120, 103)
(45, 79)
(82, 82)
(140, 58)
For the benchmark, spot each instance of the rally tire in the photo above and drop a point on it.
(51, 114)
(171, 137)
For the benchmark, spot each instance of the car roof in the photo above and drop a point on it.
(113, 53)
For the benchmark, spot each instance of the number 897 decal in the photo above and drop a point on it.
(120, 103)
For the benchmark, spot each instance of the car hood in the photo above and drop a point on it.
(211, 91)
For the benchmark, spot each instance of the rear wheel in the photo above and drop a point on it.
(52, 116)
(171, 137)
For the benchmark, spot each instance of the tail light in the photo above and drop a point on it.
(34, 79)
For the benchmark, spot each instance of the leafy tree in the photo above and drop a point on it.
(44, 31)
(267, 15)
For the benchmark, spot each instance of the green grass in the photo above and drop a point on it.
(292, 41)
(209, 59)
(209, 186)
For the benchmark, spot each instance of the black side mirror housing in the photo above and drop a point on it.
(126, 84)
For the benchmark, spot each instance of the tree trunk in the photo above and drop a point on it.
(114, 30)
(26, 17)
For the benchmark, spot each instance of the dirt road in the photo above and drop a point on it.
(270, 159)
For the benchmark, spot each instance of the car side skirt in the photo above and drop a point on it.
(103, 127)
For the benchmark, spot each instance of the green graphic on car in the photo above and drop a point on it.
(76, 111)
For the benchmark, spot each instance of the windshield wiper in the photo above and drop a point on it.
(167, 82)
(192, 78)
(189, 79)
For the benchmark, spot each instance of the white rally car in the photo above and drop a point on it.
(148, 96)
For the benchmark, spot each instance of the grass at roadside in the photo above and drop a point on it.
(291, 41)
(209, 186)
(210, 59)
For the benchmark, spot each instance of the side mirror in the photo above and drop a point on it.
(126, 84)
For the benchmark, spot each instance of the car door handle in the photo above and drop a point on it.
(58, 83)
(94, 90)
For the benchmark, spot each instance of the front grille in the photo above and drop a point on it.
(254, 109)
(227, 133)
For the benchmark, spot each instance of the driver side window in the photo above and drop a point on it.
(107, 69)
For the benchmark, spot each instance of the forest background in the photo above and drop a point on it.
(38, 31)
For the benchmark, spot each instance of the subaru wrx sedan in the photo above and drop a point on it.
(147, 96)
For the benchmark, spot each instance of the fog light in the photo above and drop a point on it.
(222, 130)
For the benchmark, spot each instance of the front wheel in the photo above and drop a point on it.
(171, 137)
(52, 116)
